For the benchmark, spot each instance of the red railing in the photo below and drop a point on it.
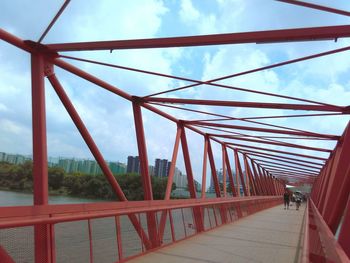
(320, 245)
(103, 232)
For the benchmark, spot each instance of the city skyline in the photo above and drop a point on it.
(90, 166)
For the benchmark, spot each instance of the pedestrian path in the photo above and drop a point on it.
(272, 235)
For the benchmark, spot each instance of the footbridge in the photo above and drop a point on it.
(245, 221)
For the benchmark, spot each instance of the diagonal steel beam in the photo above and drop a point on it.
(317, 7)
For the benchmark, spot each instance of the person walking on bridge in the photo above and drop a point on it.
(286, 198)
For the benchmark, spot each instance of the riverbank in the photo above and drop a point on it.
(19, 178)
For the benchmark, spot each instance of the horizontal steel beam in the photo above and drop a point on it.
(278, 151)
(276, 164)
(265, 130)
(278, 144)
(282, 159)
(271, 168)
(265, 105)
(270, 36)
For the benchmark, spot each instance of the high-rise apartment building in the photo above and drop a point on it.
(161, 168)
(133, 165)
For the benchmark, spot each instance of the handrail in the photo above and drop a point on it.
(305, 252)
(320, 245)
(190, 214)
(51, 214)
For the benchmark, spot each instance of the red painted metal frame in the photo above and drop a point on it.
(264, 105)
(146, 179)
(284, 35)
(239, 173)
(229, 171)
(204, 170)
(212, 81)
(5, 257)
(329, 201)
(64, 5)
(320, 245)
(317, 7)
(331, 191)
(42, 234)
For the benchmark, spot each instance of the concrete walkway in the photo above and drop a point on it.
(272, 235)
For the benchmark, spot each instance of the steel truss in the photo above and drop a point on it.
(267, 170)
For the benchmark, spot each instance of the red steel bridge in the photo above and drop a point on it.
(35, 233)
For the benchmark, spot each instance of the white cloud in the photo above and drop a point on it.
(188, 13)
(110, 118)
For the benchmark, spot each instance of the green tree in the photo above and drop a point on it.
(56, 176)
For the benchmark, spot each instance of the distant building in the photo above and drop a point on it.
(133, 165)
(180, 179)
(151, 170)
(69, 165)
(197, 186)
(161, 168)
(14, 158)
(220, 176)
(117, 167)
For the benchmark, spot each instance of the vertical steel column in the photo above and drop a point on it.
(257, 179)
(269, 179)
(119, 237)
(190, 179)
(213, 170)
(261, 179)
(324, 184)
(188, 166)
(249, 175)
(170, 182)
(42, 233)
(254, 179)
(223, 213)
(275, 191)
(273, 185)
(239, 170)
(146, 179)
(257, 176)
(223, 169)
(268, 186)
(229, 170)
(316, 186)
(173, 164)
(205, 160)
(238, 191)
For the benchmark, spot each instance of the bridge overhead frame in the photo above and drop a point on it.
(264, 180)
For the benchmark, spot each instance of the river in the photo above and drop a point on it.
(72, 238)
(9, 198)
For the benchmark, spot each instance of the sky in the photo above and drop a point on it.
(109, 118)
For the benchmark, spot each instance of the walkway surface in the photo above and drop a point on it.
(272, 235)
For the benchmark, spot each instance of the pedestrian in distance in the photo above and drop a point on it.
(286, 198)
(297, 202)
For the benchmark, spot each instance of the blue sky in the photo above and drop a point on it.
(109, 118)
